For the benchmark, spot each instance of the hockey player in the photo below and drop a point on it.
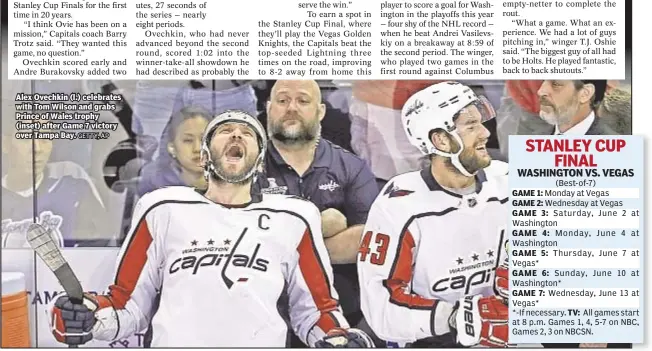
(434, 237)
(221, 261)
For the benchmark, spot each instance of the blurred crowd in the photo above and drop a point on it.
(85, 190)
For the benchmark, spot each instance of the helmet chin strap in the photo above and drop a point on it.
(254, 170)
(455, 158)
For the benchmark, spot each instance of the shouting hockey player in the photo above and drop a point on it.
(221, 260)
(434, 237)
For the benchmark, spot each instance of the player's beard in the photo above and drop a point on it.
(238, 177)
(559, 115)
(473, 162)
(469, 157)
(302, 132)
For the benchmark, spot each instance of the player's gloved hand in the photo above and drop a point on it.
(72, 323)
(481, 321)
(501, 283)
(345, 338)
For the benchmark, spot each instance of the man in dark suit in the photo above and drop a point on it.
(569, 106)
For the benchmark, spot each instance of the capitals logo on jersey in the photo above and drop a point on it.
(394, 191)
(219, 255)
(476, 268)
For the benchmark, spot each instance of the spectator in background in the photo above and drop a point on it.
(569, 105)
(179, 163)
(58, 195)
(335, 126)
(616, 110)
(519, 111)
(299, 162)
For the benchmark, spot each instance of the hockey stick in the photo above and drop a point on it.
(40, 239)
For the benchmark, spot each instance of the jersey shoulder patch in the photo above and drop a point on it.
(392, 190)
(402, 185)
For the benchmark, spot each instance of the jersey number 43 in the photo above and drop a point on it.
(379, 253)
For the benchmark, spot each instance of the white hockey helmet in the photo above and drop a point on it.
(435, 108)
(233, 116)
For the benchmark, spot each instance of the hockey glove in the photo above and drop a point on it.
(345, 338)
(72, 323)
(501, 283)
(481, 321)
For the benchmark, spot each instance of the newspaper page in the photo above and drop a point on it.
(323, 173)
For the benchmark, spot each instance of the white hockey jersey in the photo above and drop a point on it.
(424, 248)
(222, 271)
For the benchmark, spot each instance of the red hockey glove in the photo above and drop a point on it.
(501, 283)
(481, 321)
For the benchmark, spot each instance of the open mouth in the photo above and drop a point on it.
(481, 148)
(234, 153)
